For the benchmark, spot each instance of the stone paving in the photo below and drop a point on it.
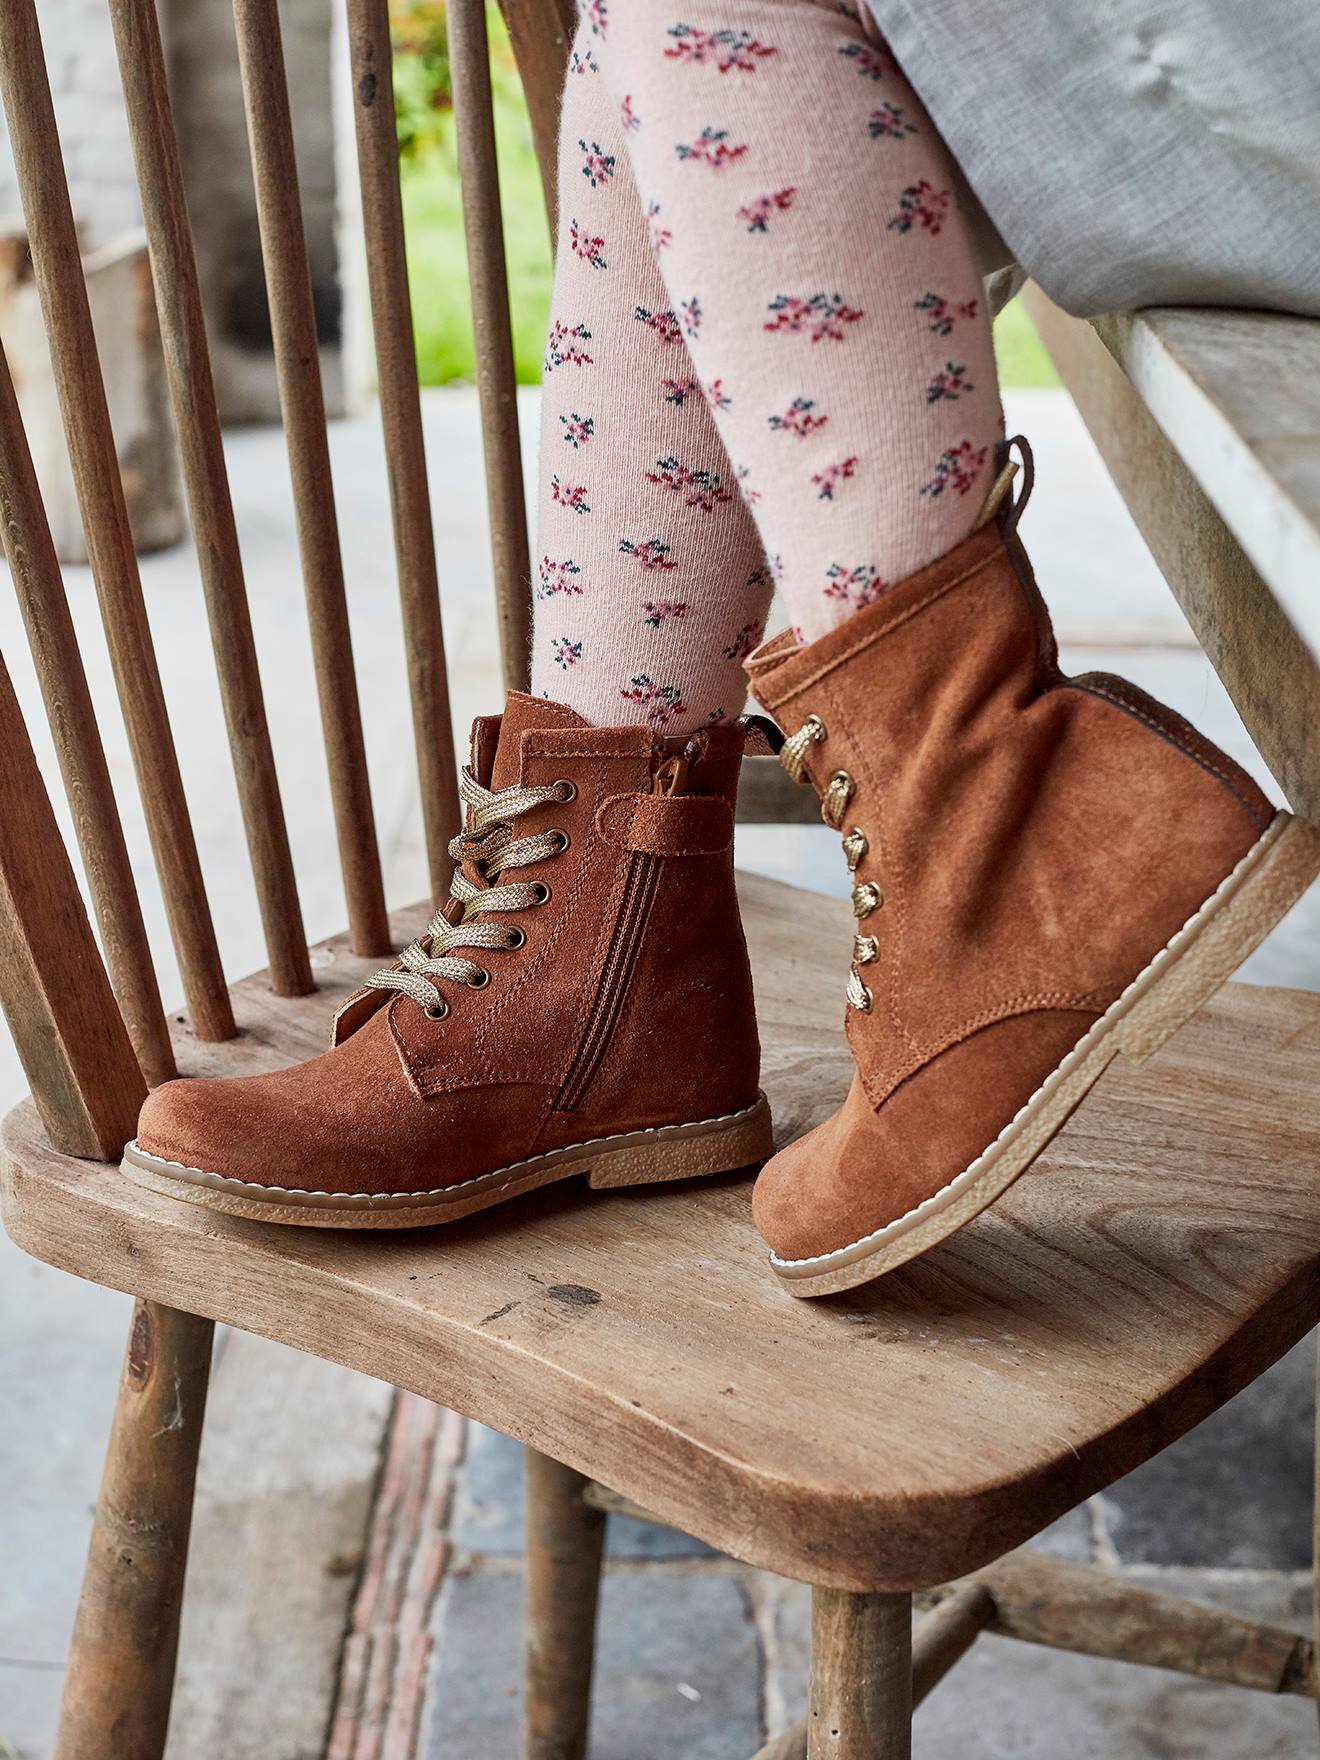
(307, 1613)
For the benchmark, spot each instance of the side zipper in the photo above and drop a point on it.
(639, 888)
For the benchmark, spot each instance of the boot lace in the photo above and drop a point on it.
(491, 846)
(835, 796)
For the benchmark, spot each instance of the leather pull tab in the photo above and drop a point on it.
(670, 778)
(995, 502)
(761, 737)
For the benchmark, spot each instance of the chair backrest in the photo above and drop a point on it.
(92, 1033)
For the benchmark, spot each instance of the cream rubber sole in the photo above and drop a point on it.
(668, 1152)
(1204, 953)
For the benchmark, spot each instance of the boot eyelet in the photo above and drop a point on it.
(517, 939)
(862, 999)
(866, 898)
(855, 846)
(564, 790)
(542, 891)
(562, 840)
(436, 1012)
(834, 802)
(865, 949)
(479, 979)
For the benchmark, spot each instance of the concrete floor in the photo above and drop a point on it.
(698, 1653)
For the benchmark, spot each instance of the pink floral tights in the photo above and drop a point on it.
(769, 361)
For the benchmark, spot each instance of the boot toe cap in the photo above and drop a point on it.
(865, 1167)
(204, 1126)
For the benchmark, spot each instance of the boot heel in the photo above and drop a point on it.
(1229, 926)
(687, 1151)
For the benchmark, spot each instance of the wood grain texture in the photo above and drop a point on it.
(1159, 1256)
(861, 1677)
(120, 1675)
(34, 140)
(201, 452)
(1238, 396)
(565, 1538)
(541, 33)
(66, 1027)
(1067, 1606)
(39, 586)
(944, 1636)
(401, 415)
(302, 402)
(1261, 632)
(497, 385)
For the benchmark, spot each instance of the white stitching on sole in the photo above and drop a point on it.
(366, 1199)
(959, 1183)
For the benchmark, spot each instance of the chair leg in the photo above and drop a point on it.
(563, 1555)
(861, 1676)
(121, 1662)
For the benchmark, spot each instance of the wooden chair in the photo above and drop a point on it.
(906, 1438)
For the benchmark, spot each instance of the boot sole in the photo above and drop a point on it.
(632, 1158)
(1185, 974)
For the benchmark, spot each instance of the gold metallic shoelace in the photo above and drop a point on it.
(490, 843)
(838, 791)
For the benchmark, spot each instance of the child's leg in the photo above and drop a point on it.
(650, 583)
(824, 279)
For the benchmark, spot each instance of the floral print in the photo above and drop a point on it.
(590, 248)
(795, 290)
(695, 488)
(664, 324)
(823, 315)
(555, 578)
(758, 213)
(597, 164)
(661, 236)
(711, 147)
(943, 313)
(957, 468)
(573, 497)
(922, 205)
(952, 383)
(745, 640)
(678, 391)
(826, 481)
(658, 611)
(853, 587)
(650, 554)
(577, 429)
(798, 419)
(889, 123)
(727, 49)
(869, 62)
(660, 703)
(564, 346)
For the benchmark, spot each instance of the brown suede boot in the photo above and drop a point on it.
(582, 1005)
(1048, 871)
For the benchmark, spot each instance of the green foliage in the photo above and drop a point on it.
(1019, 351)
(422, 90)
(433, 222)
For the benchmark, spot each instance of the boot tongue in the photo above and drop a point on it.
(522, 713)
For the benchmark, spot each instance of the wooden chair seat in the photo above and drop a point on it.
(1161, 1254)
